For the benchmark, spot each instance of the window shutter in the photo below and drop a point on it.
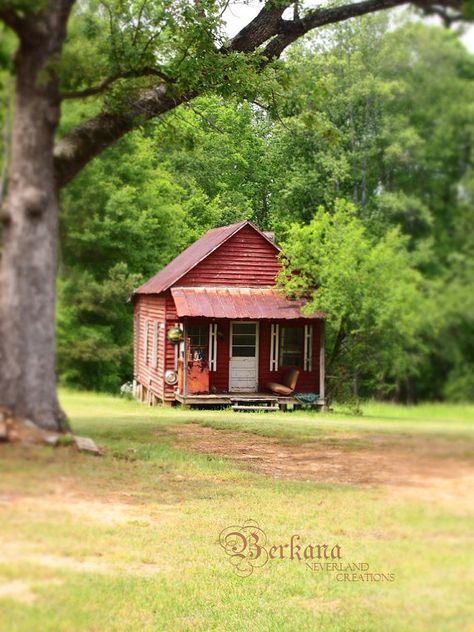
(145, 343)
(274, 346)
(154, 353)
(308, 348)
(212, 346)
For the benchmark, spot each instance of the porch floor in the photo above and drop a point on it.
(230, 399)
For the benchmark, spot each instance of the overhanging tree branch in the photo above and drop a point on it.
(265, 25)
(89, 139)
(291, 30)
(106, 83)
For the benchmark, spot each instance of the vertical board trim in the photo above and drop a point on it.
(145, 343)
(154, 352)
(274, 346)
(212, 346)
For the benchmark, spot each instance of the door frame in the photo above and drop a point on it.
(257, 345)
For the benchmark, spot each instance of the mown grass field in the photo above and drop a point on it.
(129, 541)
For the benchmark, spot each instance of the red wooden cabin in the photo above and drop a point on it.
(238, 331)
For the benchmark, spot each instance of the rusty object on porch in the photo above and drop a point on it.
(198, 377)
(287, 385)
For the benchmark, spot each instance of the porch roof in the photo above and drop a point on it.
(237, 303)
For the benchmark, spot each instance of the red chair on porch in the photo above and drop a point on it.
(288, 383)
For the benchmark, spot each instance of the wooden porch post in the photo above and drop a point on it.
(322, 371)
(185, 359)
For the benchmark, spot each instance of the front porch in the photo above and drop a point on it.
(266, 402)
(238, 363)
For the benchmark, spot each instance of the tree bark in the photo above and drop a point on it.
(30, 224)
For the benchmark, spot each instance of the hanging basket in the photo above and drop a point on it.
(175, 335)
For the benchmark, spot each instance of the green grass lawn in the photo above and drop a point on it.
(129, 541)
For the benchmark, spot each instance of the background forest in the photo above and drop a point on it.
(360, 159)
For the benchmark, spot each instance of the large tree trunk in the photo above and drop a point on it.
(30, 224)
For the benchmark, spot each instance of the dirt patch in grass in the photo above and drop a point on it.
(17, 590)
(23, 552)
(23, 591)
(85, 507)
(318, 604)
(412, 463)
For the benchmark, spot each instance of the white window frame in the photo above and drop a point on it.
(212, 354)
(274, 346)
(281, 341)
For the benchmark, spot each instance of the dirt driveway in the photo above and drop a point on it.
(439, 467)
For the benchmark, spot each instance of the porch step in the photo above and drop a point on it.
(256, 407)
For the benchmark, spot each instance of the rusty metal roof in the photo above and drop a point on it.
(194, 254)
(237, 303)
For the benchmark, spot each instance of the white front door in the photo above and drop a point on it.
(243, 363)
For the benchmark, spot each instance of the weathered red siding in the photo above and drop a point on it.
(169, 349)
(220, 378)
(152, 308)
(247, 260)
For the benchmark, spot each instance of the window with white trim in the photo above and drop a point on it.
(199, 342)
(291, 346)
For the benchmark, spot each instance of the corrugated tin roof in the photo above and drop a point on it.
(190, 257)
(236, 303)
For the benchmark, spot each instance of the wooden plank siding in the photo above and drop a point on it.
(169, 349)
(247, 260)
(149, 308)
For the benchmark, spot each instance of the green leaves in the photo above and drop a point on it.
(372, 295)
(93, 328)
(180, 40)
